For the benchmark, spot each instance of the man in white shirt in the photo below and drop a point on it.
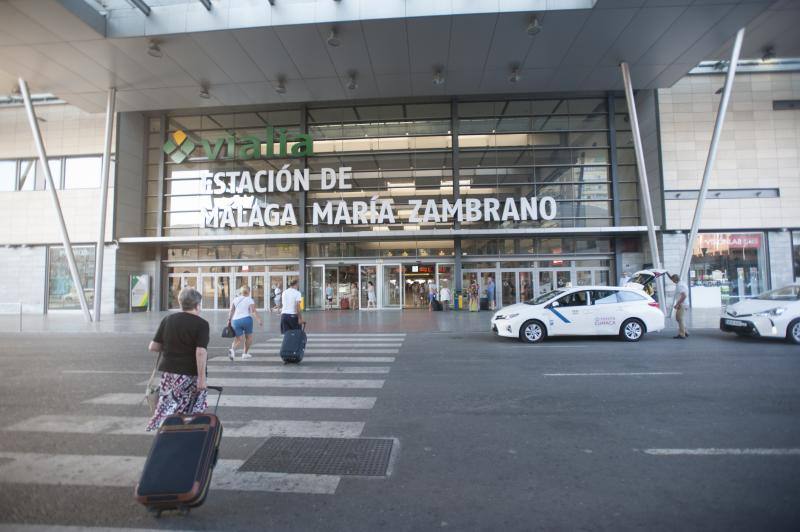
(681, 305)
(444, 296)
(291, 316)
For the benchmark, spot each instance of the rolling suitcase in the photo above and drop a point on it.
(293, 346)
(436, 305)
(177, 472)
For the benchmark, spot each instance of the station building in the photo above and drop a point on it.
(408, 145)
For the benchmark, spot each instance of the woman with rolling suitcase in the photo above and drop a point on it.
(182, 340)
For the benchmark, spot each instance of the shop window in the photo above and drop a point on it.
(727, 267)
(61, 292)
(796, 255)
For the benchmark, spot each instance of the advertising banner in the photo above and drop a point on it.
(140, 292)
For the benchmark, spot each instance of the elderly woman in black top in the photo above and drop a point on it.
(182, 338)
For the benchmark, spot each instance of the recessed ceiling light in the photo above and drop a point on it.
(333, 38)
(280, 88)
(514, 77)
(534, 26)
(153, 49)
(204, 94)
(438, 77)
(352, 82)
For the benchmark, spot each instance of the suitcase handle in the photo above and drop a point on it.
(219, 395)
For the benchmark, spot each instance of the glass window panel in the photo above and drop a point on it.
(733, 263)
(61, 292)
(82, 172)
(588, 105)
(8, 175)
(183, 253)
(27, 174)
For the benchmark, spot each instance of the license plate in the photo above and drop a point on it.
(735, 323)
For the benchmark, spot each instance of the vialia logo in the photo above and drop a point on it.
(179, 146)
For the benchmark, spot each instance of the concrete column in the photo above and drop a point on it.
(780, 259)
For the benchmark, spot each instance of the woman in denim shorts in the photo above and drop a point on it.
(240, 317)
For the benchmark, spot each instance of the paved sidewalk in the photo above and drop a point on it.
(409, 321)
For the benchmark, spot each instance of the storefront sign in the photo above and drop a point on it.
(744, 241)
(243, 209)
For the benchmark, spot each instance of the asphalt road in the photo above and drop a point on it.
(584, 433)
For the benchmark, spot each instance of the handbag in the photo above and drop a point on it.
(228, 332)
(153, 389)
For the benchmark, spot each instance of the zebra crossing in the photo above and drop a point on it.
(344, 374)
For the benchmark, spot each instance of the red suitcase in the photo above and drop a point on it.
(177, 472)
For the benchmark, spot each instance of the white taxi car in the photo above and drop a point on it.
(773, 314)
(584, 310)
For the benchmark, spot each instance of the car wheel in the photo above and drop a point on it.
(793, 332)
(632, 330)
(532, 332)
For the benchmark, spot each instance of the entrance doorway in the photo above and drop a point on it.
(417, 281)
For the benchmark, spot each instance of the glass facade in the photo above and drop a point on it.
(436, 153)
(402, 151)
(795, 256)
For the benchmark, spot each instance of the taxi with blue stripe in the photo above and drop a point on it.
(629, 313)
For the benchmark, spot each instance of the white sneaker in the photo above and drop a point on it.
(245, 356)
(231, 353)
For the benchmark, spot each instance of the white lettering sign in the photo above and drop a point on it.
(233, 202)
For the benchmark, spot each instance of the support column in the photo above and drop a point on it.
(712, 152)
(99, 251)
(456, 193)
(301, 246)
(51, 187)
(644, 187)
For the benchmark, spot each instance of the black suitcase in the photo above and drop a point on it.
(436, 305)
(294, 345)
(177, 472)
(484, 303)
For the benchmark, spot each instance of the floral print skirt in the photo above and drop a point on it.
(178, 395)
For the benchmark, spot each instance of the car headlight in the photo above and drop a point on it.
(511, 316)
(505, 317)
(771, 313)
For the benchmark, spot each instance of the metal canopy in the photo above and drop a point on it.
(575, 50)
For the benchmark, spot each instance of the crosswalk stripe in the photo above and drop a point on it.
(342, 340)
(236, 382)
(124, 471)
(357, 335)
(251, 369)
(322, 350)
(327, 346)
(256, 401)
(337, 359)
(255, 428)
(335, 343)
(16, 527)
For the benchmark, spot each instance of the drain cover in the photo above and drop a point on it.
(367, 457)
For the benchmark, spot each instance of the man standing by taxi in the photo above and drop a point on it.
(681, 305)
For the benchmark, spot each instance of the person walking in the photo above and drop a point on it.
(182, 339)
(490, 293)
(291, 315)
(681, 305)
(240, 318)
(329, 295)
(276, 297)
(371, 301)
(444, 297)
(431, 296)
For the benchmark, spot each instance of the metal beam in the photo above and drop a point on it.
(642, 171)
(99, 251)
(206, 4)
(143, 7)
(712, 152)
(51, 187)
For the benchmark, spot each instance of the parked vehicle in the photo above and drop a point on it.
(773, 314)
(585, 310)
